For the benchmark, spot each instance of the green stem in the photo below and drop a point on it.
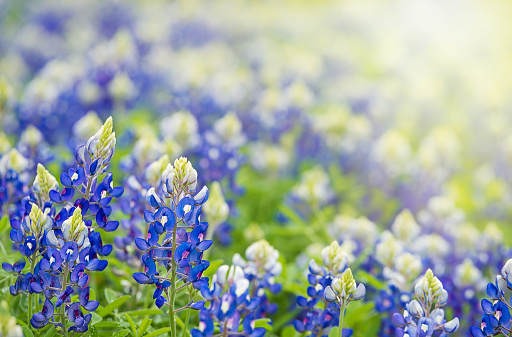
(32, 266)
(342, 316)
(187, 315)
(63, 307)
(172, 297)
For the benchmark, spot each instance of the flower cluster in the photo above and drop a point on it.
(333, 283)
(174, 238)
(496, 318)
(424, 316)
(230, 301)
(261, 266)
(63, 246)
(14, 180)
(239, 294)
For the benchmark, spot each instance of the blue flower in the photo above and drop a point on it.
(64, 296)
(84, 300)
(75, 315)
(41, 319)
(205, 325)
(17, 267)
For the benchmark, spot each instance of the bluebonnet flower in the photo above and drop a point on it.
(423, 316)
(230, 300)
(261, 266)
(174, 237)
(314, 319)
(62, 246)
(14, 180)
(496, 318)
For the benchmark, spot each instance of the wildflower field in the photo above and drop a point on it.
(255, 168)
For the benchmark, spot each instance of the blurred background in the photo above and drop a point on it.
(310, 114)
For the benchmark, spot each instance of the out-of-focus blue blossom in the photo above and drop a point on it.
(14, 178)
(261, 267)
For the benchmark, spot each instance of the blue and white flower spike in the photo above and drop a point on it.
(230, 303)
(342, 291)
(318, 320)
(423, 316)
(496, 318)
(182, 246)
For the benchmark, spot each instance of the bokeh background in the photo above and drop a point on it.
(322, 120)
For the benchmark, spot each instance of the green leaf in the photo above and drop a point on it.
(121, 333)
(4, 224)
(212, 269)
(143, 312)
(144, 325)
(180, 322)
(22, 323)
(95, 318)
(334, 332)
(106, 324)
(132, 325)
(158, 332)
(110, 295)
(263, 323)
(93, 332)
(288, 331)
(368, 278)
(27, 332)
(92, 295)
(112, 306)
(51, 332)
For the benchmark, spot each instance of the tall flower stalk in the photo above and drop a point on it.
(175, 239)
(63, 246)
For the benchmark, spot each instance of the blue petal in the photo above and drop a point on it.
(141, 278)
(117, 192)
(142, 244)
(65, 179)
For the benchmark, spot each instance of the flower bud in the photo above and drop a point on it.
(216, 209)
(5, 93)
(39, 221)
(86, 125)
(314, 186)
(408, 265)
(73, 228)
(13, 160)
(44, 183)
(154, 170)
(180, 178)
(387, 249)
(334, 258)
(405, 226)
(263, 258)
(31, 137)
(5, 145)
(182, 127)
(229, 129)
(101, 146)
(121, 88)
(429, 287)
